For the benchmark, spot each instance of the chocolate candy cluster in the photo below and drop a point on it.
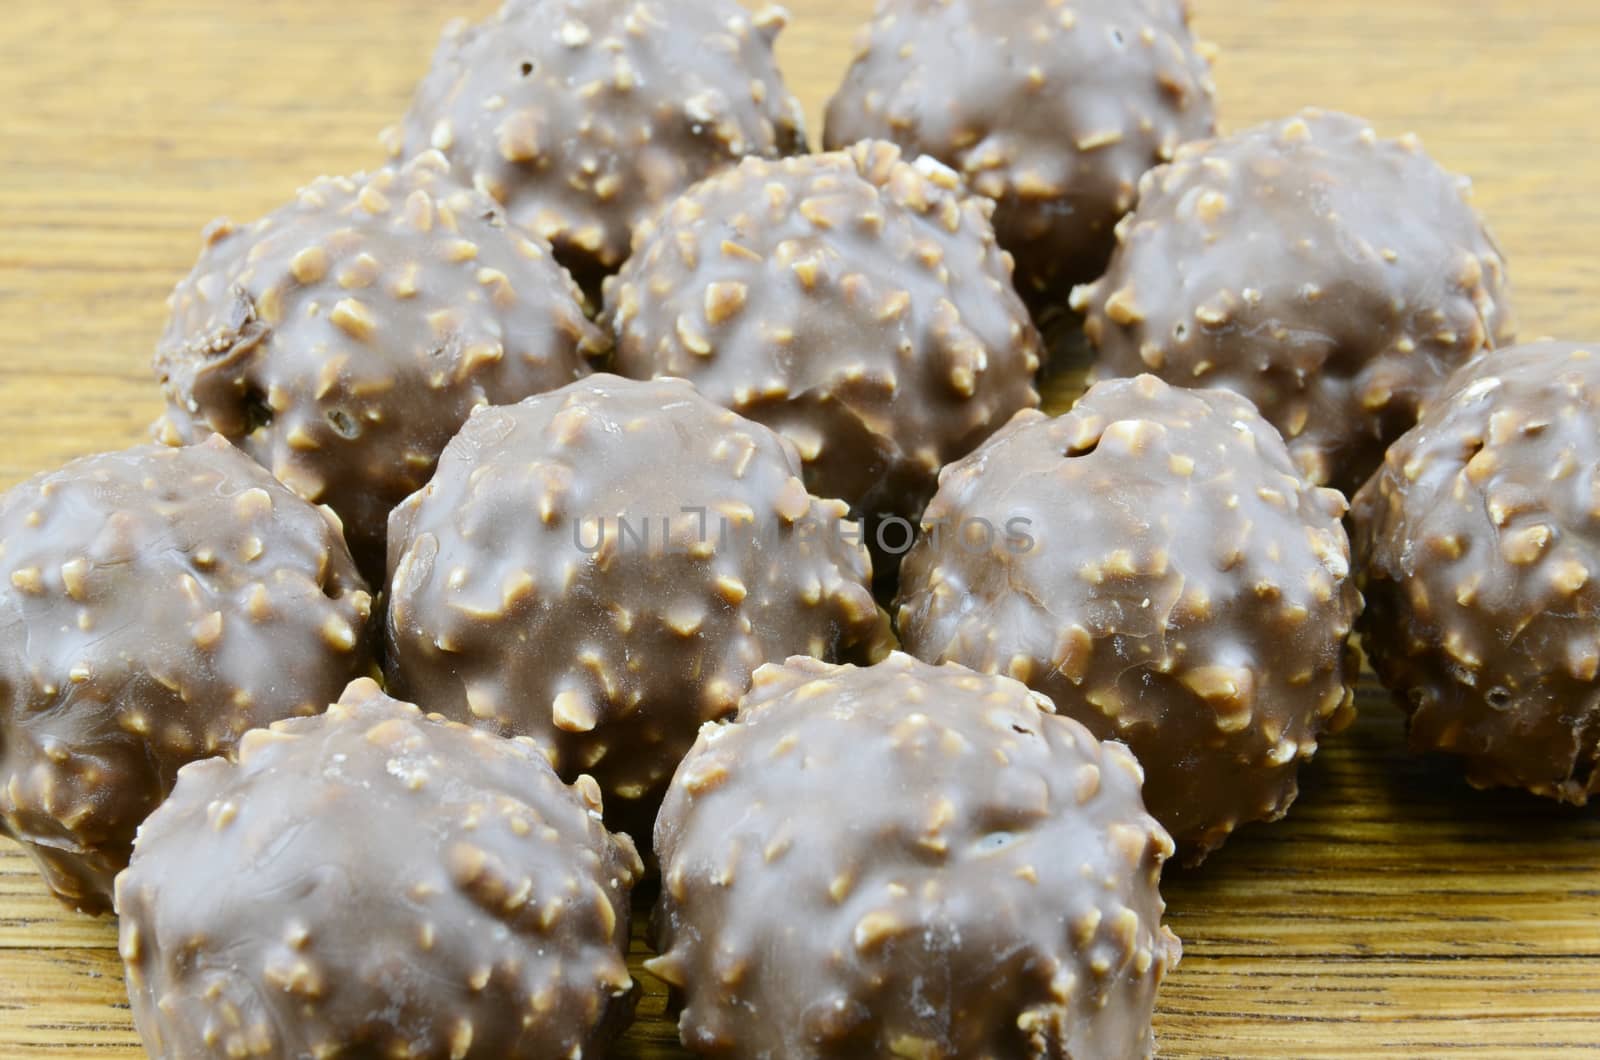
(1128, 623)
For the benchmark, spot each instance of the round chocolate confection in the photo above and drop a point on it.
(968, 874)
(1054, 110)
(376, 882)
(342, 340)
(1153, 563)
(584, 116)
(1478, 542)
(1333, 278)
(603, 567)
(856, 303)
(157, 603)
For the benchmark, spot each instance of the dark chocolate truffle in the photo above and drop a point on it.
(1054, 110)
(855, 302)
(342, 340)
(1153, 563)
(1478, 542)
(909, 861)
(158, 604)
(1333, 278)
(602, 568)
(584, 116)
(376, 882)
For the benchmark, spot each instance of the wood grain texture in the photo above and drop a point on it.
(1396, 912)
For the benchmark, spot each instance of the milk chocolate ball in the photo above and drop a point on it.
(156, 604)
(1477, 543)
(342, 340)
(377, 882)
(909, 861)
(602, 568)
(1053, 110)
(1153, 563)
(1333, 277)
(584, 116)
(855, 302)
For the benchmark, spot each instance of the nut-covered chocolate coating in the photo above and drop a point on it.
(1334, 278)
(909, 861)
(855, 302)
(1173, 584)
(1053, 109)
(342, 340)
(1478, 545)
(584, 116)
(374, 882)
(603, 567)
(156, 604)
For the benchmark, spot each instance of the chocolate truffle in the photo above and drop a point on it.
(972, 876)
(584, 116)
(1477, 543)
(1333, 278)
(1054, 110)
(1153, 563)
(376, 882)
(602, 568)
(342, 340)
(158, 603)
(853, 301)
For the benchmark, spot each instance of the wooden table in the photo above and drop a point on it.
(1396, 912)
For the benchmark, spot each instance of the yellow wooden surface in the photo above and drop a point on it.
(1395, 913)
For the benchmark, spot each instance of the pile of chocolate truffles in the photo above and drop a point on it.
(663, 603)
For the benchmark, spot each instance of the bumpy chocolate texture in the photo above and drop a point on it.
(157, 603)
(603, 567)
(1477, 543)
(377, 882)
(1171, 583)
(969, 875)
(342, 340)
(1052, 109)
(584, 116)
(1333, 278)
(855, 302)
